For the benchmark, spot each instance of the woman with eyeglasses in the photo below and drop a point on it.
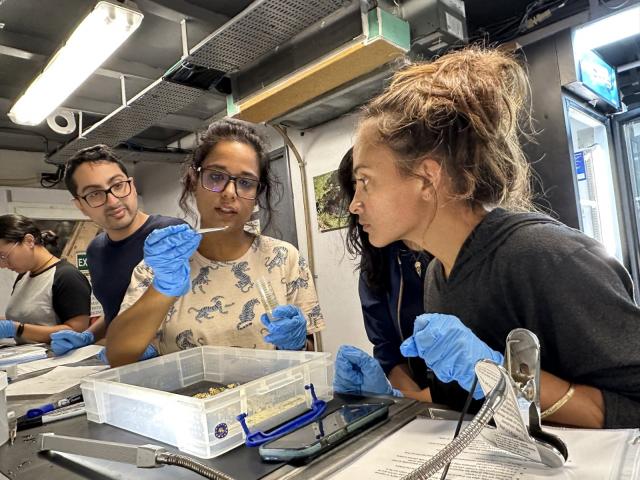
(199, 289)
(437, 161)
(49, 294)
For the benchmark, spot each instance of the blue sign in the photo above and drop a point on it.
(599, 77)
(581, 171)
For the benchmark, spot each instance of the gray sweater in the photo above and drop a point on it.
(528, 270)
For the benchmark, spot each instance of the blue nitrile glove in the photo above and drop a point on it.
(149, 352)
(358, 373)
(449, 348)
(64, 340)
(7, 329)
(167, 251)
(288, 330)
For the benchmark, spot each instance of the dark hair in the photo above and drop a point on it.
(467, 110)
(14, 228)
(97, 153)
(229, 129)
(373, 262)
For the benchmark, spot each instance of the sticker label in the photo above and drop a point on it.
(221, 430)
(581, 170)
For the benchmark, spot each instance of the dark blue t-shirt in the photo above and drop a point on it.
(111, 263)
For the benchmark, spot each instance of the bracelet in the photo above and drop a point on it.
(560, 403)
(20, 329)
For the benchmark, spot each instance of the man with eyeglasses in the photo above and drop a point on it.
(103, 190)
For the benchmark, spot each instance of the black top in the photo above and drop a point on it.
(50, 297)
(111, 263)
(71, 292)
(530, 271)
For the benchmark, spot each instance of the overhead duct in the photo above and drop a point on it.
(386, 38)
(254, 32)
(141, 112)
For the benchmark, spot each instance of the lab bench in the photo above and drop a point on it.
(23, 461)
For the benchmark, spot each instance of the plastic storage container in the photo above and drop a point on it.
(4, 420)
(138, 397)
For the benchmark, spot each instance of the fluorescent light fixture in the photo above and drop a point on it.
(99, 35)
(608, 30)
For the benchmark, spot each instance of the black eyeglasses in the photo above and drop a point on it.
(216, 181)
(98, 198)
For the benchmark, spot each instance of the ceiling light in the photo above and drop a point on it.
(608, 30)
(92, 42)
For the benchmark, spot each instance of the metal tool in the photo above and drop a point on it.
(142, 456)
(49, 407)
(212, 229)
(522, 359)
(512, 399)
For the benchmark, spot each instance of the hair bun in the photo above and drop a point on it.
(49, 237)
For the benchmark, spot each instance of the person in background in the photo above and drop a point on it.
(438, 162)
(195, 289)
(103, 190)
(391, 295)
(49, 295)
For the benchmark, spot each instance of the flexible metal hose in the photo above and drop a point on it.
(451, 451)
(167, 458)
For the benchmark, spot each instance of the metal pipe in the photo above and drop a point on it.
(123, 90)
(628, 66)
(184, 38)
(447, 454)
(80, 118)
(305, 200)
(307, 216)
(166, 458)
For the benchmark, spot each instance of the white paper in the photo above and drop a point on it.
(21, 353)
(57, 380)
(593, 455)
(7, 342)
(73, 356)
(511, 433)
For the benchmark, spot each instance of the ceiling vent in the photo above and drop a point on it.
(384, 39)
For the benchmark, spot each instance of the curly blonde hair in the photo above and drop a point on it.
(465, 110)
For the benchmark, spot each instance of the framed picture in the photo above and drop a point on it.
(329, 207)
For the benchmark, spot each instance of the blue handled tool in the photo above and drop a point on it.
(256, 439)
(69, 411)
(48, 407)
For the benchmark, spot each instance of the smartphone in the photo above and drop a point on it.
(317, 437)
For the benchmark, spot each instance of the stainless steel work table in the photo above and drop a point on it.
(22, 460)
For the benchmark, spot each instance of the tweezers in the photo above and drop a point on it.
(214, 229)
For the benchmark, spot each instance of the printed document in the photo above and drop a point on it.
(57, 380)
(73, 356)
(593, 455)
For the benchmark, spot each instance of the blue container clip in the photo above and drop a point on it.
(256, 439)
